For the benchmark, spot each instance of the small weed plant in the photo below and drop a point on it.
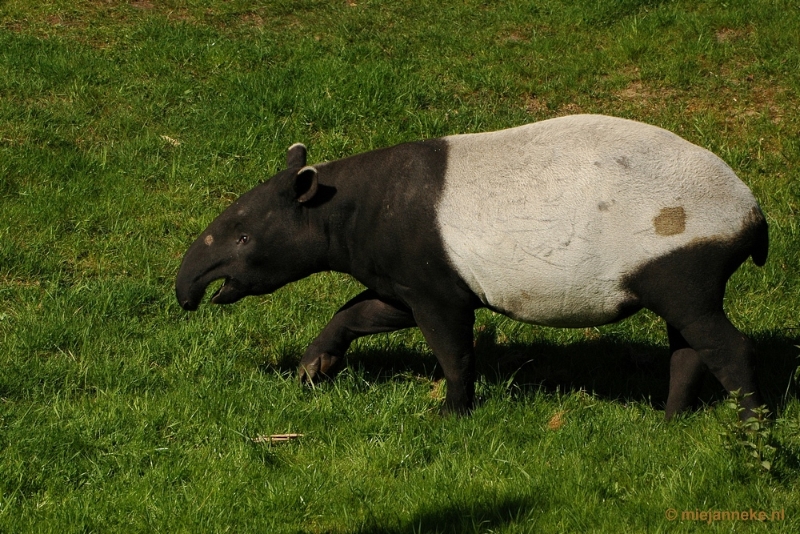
(753, 436)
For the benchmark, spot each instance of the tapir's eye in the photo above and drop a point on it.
(242, 239)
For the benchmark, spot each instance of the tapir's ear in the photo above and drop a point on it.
(306, 184)
(296, 156)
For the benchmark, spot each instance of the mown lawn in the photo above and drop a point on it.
(125, 127)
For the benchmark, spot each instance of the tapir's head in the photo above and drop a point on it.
(259, 243)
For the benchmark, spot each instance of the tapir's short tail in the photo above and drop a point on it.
(761, 238)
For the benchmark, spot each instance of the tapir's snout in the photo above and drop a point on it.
(188, 293)
(188, 304)
(197, 271)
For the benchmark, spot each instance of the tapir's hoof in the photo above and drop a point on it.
(456, 409)
(316, 368)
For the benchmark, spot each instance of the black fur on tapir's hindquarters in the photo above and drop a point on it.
(687, 288)
(375, 216)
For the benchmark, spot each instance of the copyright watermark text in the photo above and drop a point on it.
(710, 516)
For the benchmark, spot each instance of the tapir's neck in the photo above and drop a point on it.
(382, 209)
(333, 221)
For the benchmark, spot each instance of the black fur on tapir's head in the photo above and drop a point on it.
(259, 243)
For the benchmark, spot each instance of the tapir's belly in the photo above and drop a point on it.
(541, 269)
(542, 281)
(544, 222)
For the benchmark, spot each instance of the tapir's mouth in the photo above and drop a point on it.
(191, 292)
(229, 292)
(219, 291)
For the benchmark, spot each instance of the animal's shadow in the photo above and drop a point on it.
(489, 511)
(609, 368)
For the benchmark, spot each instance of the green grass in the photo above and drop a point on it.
(126, 127)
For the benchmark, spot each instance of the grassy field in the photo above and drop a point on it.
(125, 127)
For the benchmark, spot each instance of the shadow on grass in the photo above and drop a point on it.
(609, 368)
(482, 515)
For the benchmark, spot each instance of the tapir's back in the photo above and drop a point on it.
(544, 221)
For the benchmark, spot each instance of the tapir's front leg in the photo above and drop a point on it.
(364, 314)
(448, 329)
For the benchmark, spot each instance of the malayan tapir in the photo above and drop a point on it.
(569, 222)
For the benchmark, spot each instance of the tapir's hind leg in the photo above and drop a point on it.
(686, 288)
(728, 354)
(686, 372)
(364, 314)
